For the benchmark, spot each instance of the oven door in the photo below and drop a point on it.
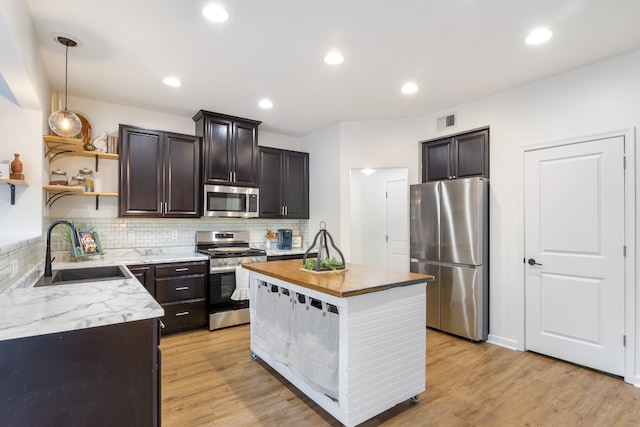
(221, 287)
(225, 201)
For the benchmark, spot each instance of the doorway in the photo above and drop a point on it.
(379, 227)
(576, 228)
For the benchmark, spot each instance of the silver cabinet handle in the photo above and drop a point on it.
(162, 324)
(182, 288)
(182, 313)
(182, 269)
(286, 210)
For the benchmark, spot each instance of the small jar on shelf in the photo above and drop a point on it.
(88, 179)
(79, 181)
(58, 177)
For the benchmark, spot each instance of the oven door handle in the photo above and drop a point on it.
(214, 270)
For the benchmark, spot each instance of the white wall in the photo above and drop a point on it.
(325, 165)
(593, 99)
(22, 124)
(21, 133)
(374, 144)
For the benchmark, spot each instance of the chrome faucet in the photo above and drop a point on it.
(47, 257)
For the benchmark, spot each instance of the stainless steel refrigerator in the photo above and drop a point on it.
(450, 240)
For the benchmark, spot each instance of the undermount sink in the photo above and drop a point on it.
(81, 275)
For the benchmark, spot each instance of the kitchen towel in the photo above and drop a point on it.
(242, 285)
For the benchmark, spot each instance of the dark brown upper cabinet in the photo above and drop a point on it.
(159, 174)
(459, 156)
(284, 183)
(229, 149)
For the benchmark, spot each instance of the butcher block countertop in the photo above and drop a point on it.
(356, 280)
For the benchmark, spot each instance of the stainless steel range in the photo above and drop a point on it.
(227, 250)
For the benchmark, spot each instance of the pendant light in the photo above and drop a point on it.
(64, 122)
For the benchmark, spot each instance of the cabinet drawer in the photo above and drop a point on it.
(183, 316)
(181, 269)
(180, 288)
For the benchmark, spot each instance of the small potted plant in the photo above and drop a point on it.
(272, 238)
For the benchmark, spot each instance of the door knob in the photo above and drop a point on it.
(532, 261)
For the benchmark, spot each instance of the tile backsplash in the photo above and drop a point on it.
(125, 233)
(17, 262)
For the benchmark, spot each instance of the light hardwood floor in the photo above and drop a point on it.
(209, 379)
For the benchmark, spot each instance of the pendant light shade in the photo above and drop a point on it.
(64, 122)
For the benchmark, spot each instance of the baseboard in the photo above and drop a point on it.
(503, 342)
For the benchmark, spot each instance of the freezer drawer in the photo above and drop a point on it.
(464, 302)
(433, 290)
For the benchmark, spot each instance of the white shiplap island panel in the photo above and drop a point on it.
(381, 337)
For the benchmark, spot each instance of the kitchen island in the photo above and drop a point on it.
(353, 341)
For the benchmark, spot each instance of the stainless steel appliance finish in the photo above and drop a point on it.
(450, 240)
(227, 250)
(230, 202)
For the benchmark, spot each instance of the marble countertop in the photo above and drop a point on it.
(27, 311)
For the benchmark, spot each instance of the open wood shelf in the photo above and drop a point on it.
(57, 146)
(56, 192)
(12, 184)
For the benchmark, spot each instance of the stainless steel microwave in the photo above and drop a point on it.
(232, 202)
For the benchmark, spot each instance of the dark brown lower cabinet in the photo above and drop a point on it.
(144, 274)
(102, 376)
(180, 288)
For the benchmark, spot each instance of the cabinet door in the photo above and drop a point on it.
(141, 155)
(296, 184)
(217, 150)
(471, 155)
(245, 154)
(437, 160)
(181, 176)
(271, 177)
(144, 274)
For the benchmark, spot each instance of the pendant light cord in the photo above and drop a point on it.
(66, 74)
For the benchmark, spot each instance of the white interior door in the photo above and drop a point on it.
(398, 225)
(574, 231)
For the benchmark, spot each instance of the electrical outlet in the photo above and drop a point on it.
(174, 234)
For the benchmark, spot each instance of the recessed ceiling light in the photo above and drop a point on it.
(265, 103)
(368, 171)
(172, 81)
(538, 36)
(334, 58)
(409, 87)
(215, 13)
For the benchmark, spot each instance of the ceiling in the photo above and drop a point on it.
(454, 50)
